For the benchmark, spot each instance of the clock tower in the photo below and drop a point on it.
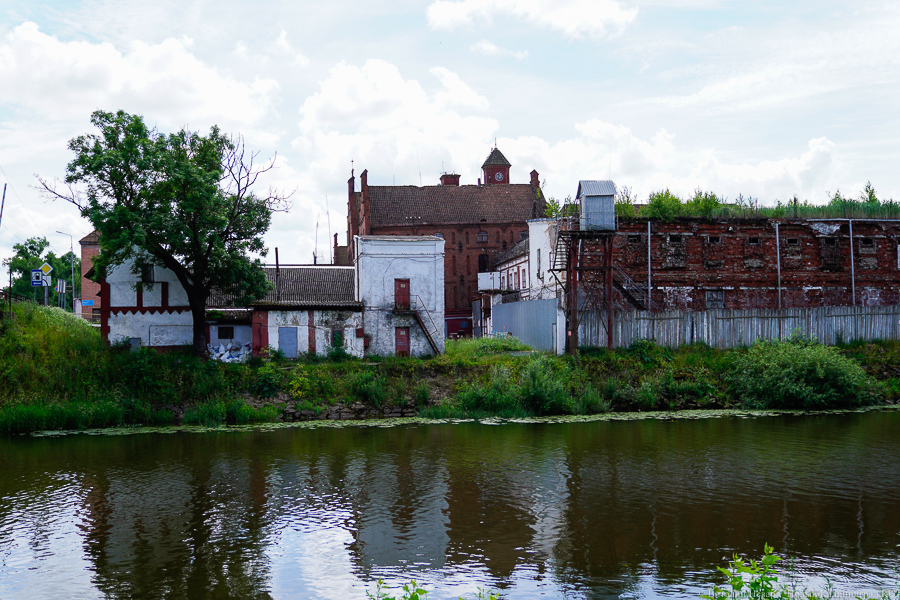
(496, 168)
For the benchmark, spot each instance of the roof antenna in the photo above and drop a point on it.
(330, 249)
(418, 165)
(352, 175)
(316, 247)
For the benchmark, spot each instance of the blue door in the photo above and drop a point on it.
(287, 341)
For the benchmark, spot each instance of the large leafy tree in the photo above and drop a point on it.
(31, 254)
(182, 201)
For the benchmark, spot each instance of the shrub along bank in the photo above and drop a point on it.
(55, 373)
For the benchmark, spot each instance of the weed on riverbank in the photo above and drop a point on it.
(56, 373)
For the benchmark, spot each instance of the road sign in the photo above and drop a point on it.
(47, 281)
(60, 286)
(46, 268)
(37, 278)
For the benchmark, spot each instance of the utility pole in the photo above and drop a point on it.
(72, 260)
(2, 203)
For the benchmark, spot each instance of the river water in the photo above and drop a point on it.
(633, 509)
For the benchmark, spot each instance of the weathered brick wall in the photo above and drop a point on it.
(732, 263)
(89, 289)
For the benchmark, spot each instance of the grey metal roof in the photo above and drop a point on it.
(596, 187)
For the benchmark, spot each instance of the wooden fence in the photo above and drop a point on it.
(730, 328)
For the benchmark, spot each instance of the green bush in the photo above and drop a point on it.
(421, 395)
(268, 381)
(498, 397)
(207, 414)
(543, 393)
(369, 388)
(801, 373)
(664, 205)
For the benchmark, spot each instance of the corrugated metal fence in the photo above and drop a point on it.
(730, 328)
(534, 322)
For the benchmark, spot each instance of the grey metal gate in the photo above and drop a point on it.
(532, 321)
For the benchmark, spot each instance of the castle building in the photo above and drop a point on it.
(476, 221)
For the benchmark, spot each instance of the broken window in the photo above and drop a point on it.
(715, 299)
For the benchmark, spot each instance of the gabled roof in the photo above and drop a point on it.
(596, 187)
(496, 158)
(442, 204)
(326, 286)
(91, 238)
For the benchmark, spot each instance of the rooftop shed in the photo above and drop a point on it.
(598, 205)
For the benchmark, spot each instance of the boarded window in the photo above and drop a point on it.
(715, 299)
(830, 251)
(226, 333)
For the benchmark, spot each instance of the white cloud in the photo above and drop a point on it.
(602, 150)
(488, 49)
(284, 47)
(574, 18)
(68, 80)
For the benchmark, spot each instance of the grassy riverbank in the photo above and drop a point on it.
(55, 373)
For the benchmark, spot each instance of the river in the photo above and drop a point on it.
(625, 508)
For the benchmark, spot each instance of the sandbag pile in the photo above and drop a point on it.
(229, 353)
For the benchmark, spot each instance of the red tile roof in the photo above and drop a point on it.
(440, 204)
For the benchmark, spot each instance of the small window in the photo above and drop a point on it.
(634, 239)
(829, 242)
(714, 240)
(793, 241)
(504, 244)
(676, 239)
(226, 333)
(868, 242)
(753, 241)
(482, 237)
(337, 338)
(538, 260)
(715, 299)
(147, 274)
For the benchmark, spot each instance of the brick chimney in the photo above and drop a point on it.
(535, 179)
(450, 179)
(365, 226)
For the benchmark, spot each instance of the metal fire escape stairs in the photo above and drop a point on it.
(634, 293)
(425, 321)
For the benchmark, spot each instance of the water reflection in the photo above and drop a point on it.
(586, 510)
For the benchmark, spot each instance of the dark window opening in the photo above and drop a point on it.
(676, 239)
(226, 333)
(830, 242)
(715, 299)
(634, 239)
(147, 274)
(483, 262)
(793, 241)
(753, 241)
(868, 242)
(504, 244)
(337, 338)
(714, 239)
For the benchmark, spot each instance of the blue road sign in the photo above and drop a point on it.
(37, 278)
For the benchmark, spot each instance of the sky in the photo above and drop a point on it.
(765, 99)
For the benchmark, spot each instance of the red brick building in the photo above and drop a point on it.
(698, 264)
(91, 302)
(476, 222)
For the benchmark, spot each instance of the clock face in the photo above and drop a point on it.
(498, 176)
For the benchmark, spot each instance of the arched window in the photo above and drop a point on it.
(467, 237)
(482, 237)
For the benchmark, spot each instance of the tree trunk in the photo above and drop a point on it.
(199, 318)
